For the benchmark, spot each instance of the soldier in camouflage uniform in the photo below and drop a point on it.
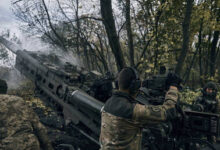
(20, 128)
(123, 118)
(208, 103)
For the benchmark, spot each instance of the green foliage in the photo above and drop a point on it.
(189, 96)
(156, 28)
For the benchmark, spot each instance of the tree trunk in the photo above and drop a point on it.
(129, 33)
(157, 18)
(109, 23)
(78, 27)
(194, 56)
(186, 33)
(206, 55)
(213, 53)
(200, 67)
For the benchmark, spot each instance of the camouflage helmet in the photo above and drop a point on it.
(210, 85)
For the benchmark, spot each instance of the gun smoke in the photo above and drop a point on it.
(13, 77)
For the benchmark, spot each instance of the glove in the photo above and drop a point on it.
(171, 114)
(173, 80)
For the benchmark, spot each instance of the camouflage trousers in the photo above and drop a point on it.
(26, 141)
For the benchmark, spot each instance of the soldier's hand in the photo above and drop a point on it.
(171, 113)
(173, 80)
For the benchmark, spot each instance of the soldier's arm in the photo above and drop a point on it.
(150, 113)
(40, 132)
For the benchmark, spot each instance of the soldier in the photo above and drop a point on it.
(123, 118)
(20, 128)
(208, 103)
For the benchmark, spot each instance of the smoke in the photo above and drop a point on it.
(36, 45)
(7, 58)
(12, 76)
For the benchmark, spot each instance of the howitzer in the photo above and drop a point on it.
(64, 85)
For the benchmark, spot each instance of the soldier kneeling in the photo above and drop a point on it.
(20, 128)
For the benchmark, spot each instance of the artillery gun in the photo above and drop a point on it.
(64, 85)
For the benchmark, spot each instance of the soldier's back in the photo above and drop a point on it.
(16, 128)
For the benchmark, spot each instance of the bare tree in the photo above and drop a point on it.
(109, 23)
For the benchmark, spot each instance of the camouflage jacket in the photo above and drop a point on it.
(20, 128)
(212, 106)
(123, 119)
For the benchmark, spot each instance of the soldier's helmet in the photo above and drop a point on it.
(210, 85)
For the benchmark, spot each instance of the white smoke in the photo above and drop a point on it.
(13, 76)
(37, 45)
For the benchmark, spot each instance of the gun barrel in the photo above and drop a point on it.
(9, 45)
(87, 101)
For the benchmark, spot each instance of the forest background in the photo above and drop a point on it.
(107, 35)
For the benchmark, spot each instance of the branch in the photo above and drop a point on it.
(51, 26)
(143, 52)
(16, 2)
(94, 18)
(121, 28)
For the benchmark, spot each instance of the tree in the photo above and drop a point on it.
(213, 53)
(129, 33)
(186, 33)
(143, 34)
(109, 23)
